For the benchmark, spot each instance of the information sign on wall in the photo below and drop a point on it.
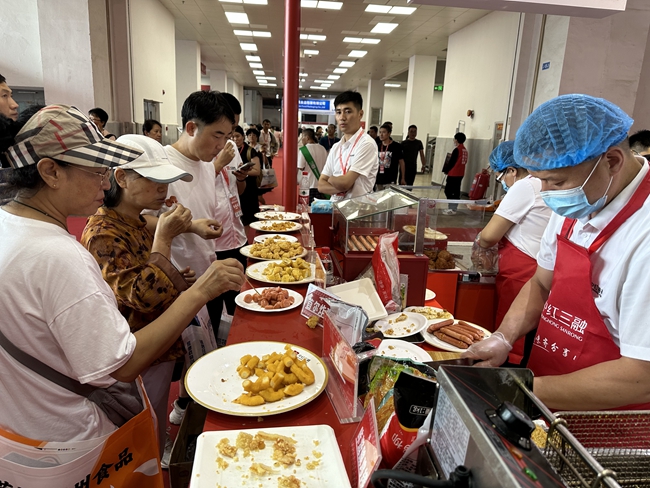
(314, 105)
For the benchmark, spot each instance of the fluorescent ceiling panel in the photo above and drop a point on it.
(303, 75)
(330, 5)
(382, 9)
(354, 40)
(324, 82)
(340, 71)
(313, 37)
(237, 17)
(318, 87)
(253, 58)
(367, 40)
(259, 72)
(311, 51)
(261, 34)
(392, 85)
(266, 78)
(346, 64)
(309, 3)
(256, 2)
(383, 28)
(243, 33)
(248, 46)
(256, 65)
(333, 77)
(357, 54)
(397, 10)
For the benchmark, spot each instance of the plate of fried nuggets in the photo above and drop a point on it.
(286, 457)
(256, 378)
(273, 249)
(287, 271)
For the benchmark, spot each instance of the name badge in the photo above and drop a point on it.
(236, 207)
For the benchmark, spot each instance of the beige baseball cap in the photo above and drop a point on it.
(153, 163)
(64, 133)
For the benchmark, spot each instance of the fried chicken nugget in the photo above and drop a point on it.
(249, 400)
(294, 389)
(270, 395)
(304, 374)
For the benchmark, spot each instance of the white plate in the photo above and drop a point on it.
(261, 224)
(413, 324)
(435, 342)
(274, 208)
(213, 381)
(246, 252)
(362, 293)
(430, 312)
(329, 472)
(239, 300)
(264, 237)
(429, 295)
(395, 348)
(255, 271)
(277, 216)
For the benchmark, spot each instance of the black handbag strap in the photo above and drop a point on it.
(44, 370)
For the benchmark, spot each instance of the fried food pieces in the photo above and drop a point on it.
(271, 298)
(440, 259)
(278, 375)
(288, 271)
(276, 248)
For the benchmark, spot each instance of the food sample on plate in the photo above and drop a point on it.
(429, 233)
(440, 259)
(268, 455)
(363, 243)
(431, 313)
(278, 375)
(171, 201)
(279, 225)
(274, 216)
(274, 248)
(404, 327)
(271, 298)
(458, 333)
(288, 271)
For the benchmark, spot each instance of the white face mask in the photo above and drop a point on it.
(573, 203)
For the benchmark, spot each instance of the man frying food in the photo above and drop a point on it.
(588, 296)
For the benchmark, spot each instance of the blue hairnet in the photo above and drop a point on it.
(502, 157)
(569, 130)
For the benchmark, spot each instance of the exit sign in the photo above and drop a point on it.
(437, 87)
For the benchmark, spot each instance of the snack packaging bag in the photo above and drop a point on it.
(384, 272)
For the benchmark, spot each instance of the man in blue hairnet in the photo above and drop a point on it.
(588, 296)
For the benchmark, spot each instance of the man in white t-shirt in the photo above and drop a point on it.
(351, 167)
(588, 297)
(318, 154)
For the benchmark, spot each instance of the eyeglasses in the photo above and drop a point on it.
(500, 176)
(103, 175)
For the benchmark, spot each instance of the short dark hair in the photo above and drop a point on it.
(460, 137)
(207, 107)
(233, 102)
(389, 123)
(349, 96)
(149, 124)
(239, 130)
(387, 127)
(413, 127)
(309, 133)
(3, 79)
(374, 127)
(266, 120)
(319, 127)
(640, 141)
(253, 130)
(100, 113)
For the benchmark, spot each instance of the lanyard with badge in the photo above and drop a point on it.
(344, 167)
(234, 199)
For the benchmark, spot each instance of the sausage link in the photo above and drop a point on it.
(450, 340)
(439, 325)
(358, 243)
(457, 335)
(366, 242)
(470, 331)
(477, 331)
(351, 245)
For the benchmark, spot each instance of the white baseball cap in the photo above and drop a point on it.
(153, 164)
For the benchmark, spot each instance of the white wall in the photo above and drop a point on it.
(188, 72)
(553, 48)
(394, 103)
(153, 54)
(434, 125)
(20, 61)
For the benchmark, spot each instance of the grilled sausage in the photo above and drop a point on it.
(351, 245)
(439, 325)
(450, 340)
(358, 243)
(457, 334)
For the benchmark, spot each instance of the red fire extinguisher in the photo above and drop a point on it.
(479, 185)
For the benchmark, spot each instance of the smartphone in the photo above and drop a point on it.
(245, 167)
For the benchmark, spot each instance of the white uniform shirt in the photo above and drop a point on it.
(524, 206)
(319, 155)
(620, 277)
(361, 158)
(234, 235)
(266, 138)
(200, 197)
(56, 307)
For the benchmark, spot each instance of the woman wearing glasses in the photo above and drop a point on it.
(54, 302)
(514, 232)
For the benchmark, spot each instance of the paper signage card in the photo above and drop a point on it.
(314, 303)
(366, 451)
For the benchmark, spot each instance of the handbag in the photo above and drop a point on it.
(120, 401)
(269, 180)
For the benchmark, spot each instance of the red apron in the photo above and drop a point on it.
(515, 269)
(572, 334)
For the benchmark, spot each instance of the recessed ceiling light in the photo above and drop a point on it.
(392, 85)
(323, 96)
(383, 28)
(382, 9)
(253, 58)
(243, 33)
(357, 54)
(309, 3)
(346, 64)
(333, 77)
(397, 10)
(299, 86)
(256, 65)
(247, 46)
(330, 5)
(354, 40)
(237, 17)
(367, 40)
(261, 34)
(340, 71)
(256, 2)
(258, 72)
(311, 51)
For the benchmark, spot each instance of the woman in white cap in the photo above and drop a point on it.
(135, 261)
(56, 306)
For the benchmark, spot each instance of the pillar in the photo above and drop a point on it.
(419, 92)
(188, 71)
(218, 80)
(375, 100)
